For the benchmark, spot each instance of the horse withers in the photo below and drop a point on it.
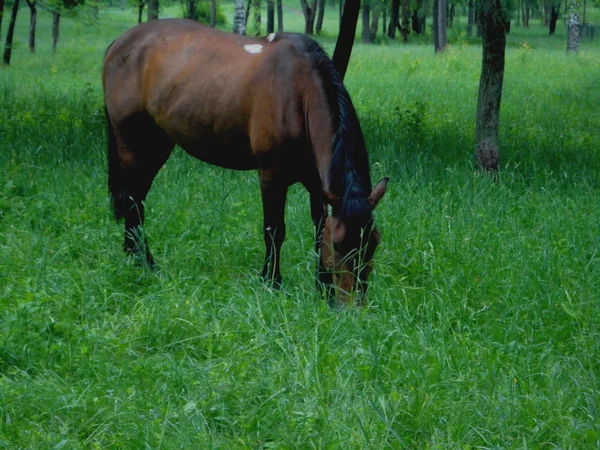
(276, 105)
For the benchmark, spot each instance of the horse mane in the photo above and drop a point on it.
(349, 175)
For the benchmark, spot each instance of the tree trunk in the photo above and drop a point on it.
(584, 10)
(279, 16)
(1, 14)
(257, 17)
(309, 12)
(32, 24)
(152, 10)
(140, 10)
(439, 25)
(553, 19)
(345, 40)
(573, 30)
(376, 11)
(239, 18)
(270, 16)
(55, 28)
(247, 14)
(366, 12)
(526, 14)
(470, 20)
(320, 15)
(451, 11)
(10, 33)
(405, 31)
(419, 16)
(493, 25)
(394, 13)
(384, 29)
(213, 13)
(191, 10)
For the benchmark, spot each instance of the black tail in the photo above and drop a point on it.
(115, 187)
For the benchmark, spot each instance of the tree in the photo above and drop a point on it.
(405, 29)
(152, 10)
(10, 33)
(140, 6)
(239, 18)
(345, 40)
(32, 23)
(257, 17)
(439, 25)
(470, 19)
(366, 13)
(309, 12)
(493, 29)
(270, 16)
(394, 14)
(554, 13)
(55, 29)
(279, 16)
(1, 14)
(376, 12)
(573, 31)
(320, 15)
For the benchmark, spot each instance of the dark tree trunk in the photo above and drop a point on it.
(55, 28)
(405, 30)
(366, 13)
(270, 16)
(419, 17)
(470, 19)
(309, 12)
(439, 25)
(451, 11)
(553, 19)
(526, 14)
(11, 32)
(32, 24)
(1, 14)
(376, 12)
(248, 5)
(394, 13)
(191, 10)
(384, 24)
(320, 15)
(345, 40)
(140, 10)
(213, 13)
(279, 16)
(152, 10)
(493, 24)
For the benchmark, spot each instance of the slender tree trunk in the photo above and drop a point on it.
(152, 10)
(32, 24)
(439, 25)
(10, 33)
(451, 11)
(553, 19)
(213, 13)
(140, 10)
(1, 14)
(470, 19)
(366, 13)
(526, 14)
(248, 5)
(320, 15)
(573, 29)
(519, 13)
(270, 16)
(309, 12)
(55, 29)
(394, 13)
(191, 10)
(493, 24)
(279, 16)
(419, 17)
(376, 11)
(405, 31)
(384, 29)
(239, 18)
(345, 40)
(257, 18)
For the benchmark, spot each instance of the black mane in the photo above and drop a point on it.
(349, 174)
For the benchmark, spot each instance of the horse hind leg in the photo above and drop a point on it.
(132, 168)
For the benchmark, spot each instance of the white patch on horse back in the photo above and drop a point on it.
(255, 49)
(271, 37)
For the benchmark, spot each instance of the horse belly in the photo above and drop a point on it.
(235, 155)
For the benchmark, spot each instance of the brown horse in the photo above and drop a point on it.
(276, 104)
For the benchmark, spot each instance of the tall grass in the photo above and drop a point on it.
(483, 324)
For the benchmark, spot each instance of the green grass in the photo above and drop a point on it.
(483, 328)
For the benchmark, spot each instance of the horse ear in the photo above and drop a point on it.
(378, 192)
(330, 198)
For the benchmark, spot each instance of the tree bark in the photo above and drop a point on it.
(257, 17)
(419, 17)
(152, 10)
(55, 29)
(141, 5)
(439, 25)
(493, 25)
(573, 30)
(366, 13)
(191, 10)
(10, 33)
(213, 13)
(320, 15)
(394, 13)
(451, 11)
(279, 16)
(32, 24)
(1, 14)
(376, 11)
(553, 19)
(470, 19)
(309, 12)
(345, 40)
(239, 18)
(247, 14)
(270, 16)
(405, 30)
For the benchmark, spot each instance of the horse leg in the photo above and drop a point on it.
(273, 188)
(318, 211)
(131, 172)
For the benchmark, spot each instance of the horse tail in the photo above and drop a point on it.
(114, 171)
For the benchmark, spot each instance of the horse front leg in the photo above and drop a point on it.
(318, 211)
(273, 188)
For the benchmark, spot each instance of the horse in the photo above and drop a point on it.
(275, 104)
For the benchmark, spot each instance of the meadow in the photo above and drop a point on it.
(483, 323)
